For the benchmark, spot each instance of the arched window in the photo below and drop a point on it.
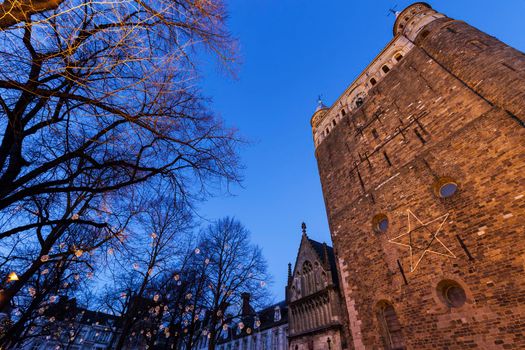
(359, 102)
(307, 267)
(391, 328)
(385, 69)
(398, 56)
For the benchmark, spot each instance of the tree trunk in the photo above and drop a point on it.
(16, 11)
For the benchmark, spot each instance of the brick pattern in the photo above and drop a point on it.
(451, 108)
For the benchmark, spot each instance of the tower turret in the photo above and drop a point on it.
(414, 18)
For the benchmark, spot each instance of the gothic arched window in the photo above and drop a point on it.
(307, 267)
(391, 327)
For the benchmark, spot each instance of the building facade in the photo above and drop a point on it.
(75, 328)
(316, 317)
(266, 329)
(422, 164)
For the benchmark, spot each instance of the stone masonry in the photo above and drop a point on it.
(441, 108)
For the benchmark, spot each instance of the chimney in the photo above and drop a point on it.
(246, 308)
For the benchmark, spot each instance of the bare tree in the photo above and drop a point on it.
(98, 99)
(235, 266)
(144, 264)
(59, 275)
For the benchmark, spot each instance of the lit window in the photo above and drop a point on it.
(398, 57)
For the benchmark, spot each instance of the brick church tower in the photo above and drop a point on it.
(422, 164)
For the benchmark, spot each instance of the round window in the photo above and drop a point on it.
(380, 223)
(448, 189)
(445, 187)
(451, 293)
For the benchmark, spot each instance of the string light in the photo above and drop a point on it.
(432, 244)
(12, 277)
(44, 258)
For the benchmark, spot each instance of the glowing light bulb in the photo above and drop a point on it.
(12, 277)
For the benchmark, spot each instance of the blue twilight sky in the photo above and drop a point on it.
(292, 51)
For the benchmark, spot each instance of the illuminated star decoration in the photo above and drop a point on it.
(421, 239)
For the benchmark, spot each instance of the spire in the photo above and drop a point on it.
(303, 227)
(289, 273)
(320, 104)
